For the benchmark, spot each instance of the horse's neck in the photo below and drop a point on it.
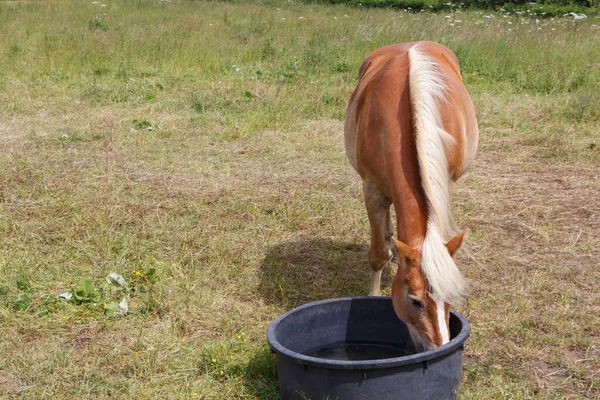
(411, 225)
(410, 203)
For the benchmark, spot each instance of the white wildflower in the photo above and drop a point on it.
(116, 280)
(123, 307)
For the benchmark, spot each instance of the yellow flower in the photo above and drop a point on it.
(243, 333)
(182, 340)
(137, 273)
(239, 337)
(195, 394)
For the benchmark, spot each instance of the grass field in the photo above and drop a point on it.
(196, 148)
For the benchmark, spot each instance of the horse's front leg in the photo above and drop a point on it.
(378, 210)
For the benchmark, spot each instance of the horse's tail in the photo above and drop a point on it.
(427, 89)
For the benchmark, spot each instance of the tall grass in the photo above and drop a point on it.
(135, 51)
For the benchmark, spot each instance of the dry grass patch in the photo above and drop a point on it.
(156, 152)
(535, 277)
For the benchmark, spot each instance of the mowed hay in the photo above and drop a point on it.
(204, 140)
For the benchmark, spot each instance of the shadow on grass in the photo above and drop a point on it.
(299, 272)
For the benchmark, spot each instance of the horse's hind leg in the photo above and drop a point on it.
(378, 210)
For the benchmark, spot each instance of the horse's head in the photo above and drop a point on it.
(426, 316)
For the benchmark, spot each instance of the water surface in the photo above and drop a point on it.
(357, 351)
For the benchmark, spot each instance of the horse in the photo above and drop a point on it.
(410, 132)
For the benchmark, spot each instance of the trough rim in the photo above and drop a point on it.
(422, 357)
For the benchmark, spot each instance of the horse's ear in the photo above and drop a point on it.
(405, 250)
(456, 242)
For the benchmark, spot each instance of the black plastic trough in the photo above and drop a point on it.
(299, 334)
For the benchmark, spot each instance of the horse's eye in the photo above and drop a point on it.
(416, 302)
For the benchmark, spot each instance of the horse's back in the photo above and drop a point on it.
(373, 113)
(379, 114)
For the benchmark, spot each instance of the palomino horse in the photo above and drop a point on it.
(410, 133)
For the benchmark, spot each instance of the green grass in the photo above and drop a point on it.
(204, 140)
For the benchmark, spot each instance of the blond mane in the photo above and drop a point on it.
(426, 89)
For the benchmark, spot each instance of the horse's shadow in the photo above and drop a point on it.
(298, 272)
